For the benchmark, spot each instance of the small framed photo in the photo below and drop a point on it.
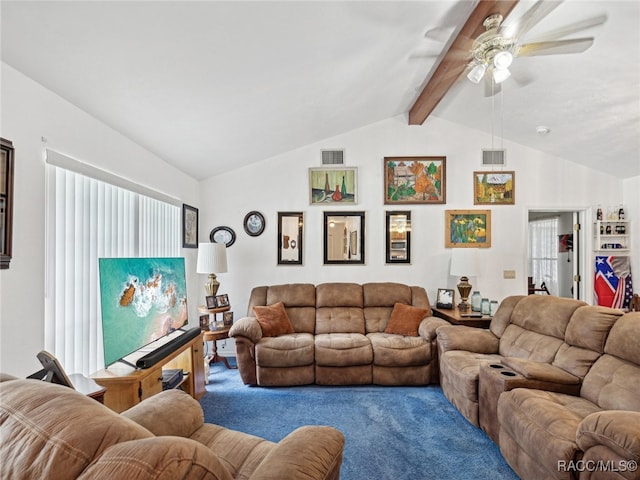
(222, 300)
(445, 298)
(227, 318)
(211, 301)
(189, 226)
(204, 322)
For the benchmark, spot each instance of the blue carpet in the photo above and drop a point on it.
(391, 432)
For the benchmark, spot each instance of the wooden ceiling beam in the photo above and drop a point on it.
(455, 60)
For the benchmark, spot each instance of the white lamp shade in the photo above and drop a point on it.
(464, 262)
(212, 258)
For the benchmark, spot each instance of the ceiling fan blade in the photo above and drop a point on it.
(576, 45)
(572, 28)
(519, 27)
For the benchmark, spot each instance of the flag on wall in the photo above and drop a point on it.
(612, 285)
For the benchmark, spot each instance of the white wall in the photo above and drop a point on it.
(28, 113)
(281, 184)
(631, 195)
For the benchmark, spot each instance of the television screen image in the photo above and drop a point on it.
(142, 300)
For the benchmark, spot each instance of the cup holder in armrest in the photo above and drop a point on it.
(506, 373)
(496, 365)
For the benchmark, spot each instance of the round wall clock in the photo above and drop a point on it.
(223, 235)
(254, 223)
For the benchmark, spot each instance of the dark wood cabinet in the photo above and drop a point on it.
(6, 201)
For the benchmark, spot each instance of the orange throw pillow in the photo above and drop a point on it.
(405, 320)
(273, 320)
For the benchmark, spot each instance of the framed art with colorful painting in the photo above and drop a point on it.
(467, 229)
(419, 180)
(494, 188)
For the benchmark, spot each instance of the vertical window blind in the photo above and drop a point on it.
(88, 219)
(543, 253)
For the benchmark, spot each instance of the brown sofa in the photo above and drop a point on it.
(338, 337)
(555, 382)
(595, 435)
(51, 431)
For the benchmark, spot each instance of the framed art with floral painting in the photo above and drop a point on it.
(467, 228)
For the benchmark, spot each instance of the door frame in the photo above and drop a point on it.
(582, 241)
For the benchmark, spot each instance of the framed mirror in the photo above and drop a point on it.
(343, 238)
(290, 238)
(398, 236)
(6, 201)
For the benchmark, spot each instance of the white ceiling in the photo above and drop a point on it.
(210, 86)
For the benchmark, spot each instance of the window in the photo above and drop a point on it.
(88, 219)
(543, 253)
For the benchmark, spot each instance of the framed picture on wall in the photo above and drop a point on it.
(290, 232)
(467, 228)
(343, 238)
(494, 188)
(420, 180)
(189, 226)
(333, 186)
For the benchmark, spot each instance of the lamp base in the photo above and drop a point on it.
(211, 287)
(464, 288)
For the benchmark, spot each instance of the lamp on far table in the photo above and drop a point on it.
(212, 259)
(464, 265)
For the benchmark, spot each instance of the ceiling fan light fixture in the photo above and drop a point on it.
(503, 59)
(500, 74)
(477, 72)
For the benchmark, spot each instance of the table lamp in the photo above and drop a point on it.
(212, 259)
(464, 265)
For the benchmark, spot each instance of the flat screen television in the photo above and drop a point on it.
(142, 300)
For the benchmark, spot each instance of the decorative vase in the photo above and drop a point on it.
(337, 196)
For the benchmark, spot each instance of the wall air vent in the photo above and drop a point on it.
(493, 158)
(332, 157)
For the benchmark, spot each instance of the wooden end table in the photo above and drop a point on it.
(213, 336)
(455, 317)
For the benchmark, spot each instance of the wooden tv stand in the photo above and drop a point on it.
(127, 386)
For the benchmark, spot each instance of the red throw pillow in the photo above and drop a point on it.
(273, 320)
(405, 320)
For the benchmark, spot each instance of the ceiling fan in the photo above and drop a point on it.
(485, 48)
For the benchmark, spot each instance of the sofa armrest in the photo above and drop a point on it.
(428, 327)
(171, 412)
(246, 327)
(544, 372)
(310, 452)
(615, 429)
(157, 458)
(470, 339)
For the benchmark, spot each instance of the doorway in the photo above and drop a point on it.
(555, 261)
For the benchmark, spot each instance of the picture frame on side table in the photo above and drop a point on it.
(290, 234)
(211, 301)
(204, 322)
(419, 180)
(467, 229)
(333, 186)
(227, 318)
(494, 188)
(222, 300)
(189, 226)
(344, 235)
(445, 298)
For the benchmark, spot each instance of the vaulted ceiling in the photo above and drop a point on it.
(210, 86)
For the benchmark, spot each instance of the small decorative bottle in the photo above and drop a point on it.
(485, 306)
(599, 213)
(343, 189)
(493, 307)
(608, 230)
(476, 300)
(621, 213)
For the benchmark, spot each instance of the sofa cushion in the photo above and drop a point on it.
(339, 295)
(342, 350)
(544, 423)
(339, 320)
(273, 320)
(623, 338)
(399, 351)
(405, 320)
(292, 295)
(38, 444)
(523, 343)
(386, 294)
(613, 384)
(545, 314)
(293, 350)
